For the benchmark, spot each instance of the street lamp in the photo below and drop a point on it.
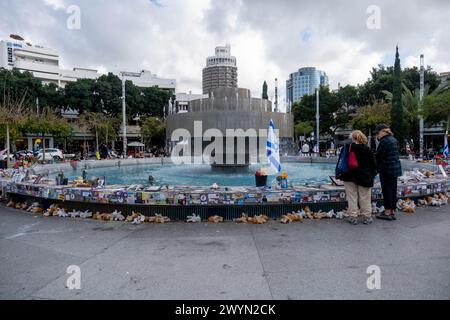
(317, 120)
(422, 92)
(124, 108)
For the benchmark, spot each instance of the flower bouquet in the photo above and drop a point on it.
(282, 180)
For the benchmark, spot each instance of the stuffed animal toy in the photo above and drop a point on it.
(291, 217)
(443, 198)
(194, 219)
(340, 215)
(161, 219)
(86, 214)
(33, 206)
(429, 174)
(319, 215)
(117, 216)
(11, 204)
(422, 202)
(74, 214)
(215, 219)
(330, 214)
(243, 219)
(62, 213)
(131, 217)
(295, 217)
(140, 219)
(285, 219)
(407, 206)
(261, 219)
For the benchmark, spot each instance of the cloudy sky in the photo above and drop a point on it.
(172, 38)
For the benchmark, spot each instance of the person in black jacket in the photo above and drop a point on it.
(359, 182)
(389, 168)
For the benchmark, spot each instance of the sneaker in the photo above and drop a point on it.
(368, 221)
(384, 216)
(353, 221)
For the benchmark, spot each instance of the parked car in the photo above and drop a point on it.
(3, 157)
(54, 154)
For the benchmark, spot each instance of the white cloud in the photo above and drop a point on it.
(172, 38)
(55, 4)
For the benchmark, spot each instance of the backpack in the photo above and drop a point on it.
(342, 164)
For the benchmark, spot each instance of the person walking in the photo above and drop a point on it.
(358, 182)
(389, 168)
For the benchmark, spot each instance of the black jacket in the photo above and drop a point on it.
(367, 169)
(388, 159)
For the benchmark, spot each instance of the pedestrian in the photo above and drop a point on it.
(358, 182)
(389, 168)
(305, 150)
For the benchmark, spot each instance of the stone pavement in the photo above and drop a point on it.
(325, 259)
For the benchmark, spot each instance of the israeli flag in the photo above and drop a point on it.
(446, 144)
(273, 148)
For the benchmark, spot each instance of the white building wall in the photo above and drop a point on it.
(44, 64)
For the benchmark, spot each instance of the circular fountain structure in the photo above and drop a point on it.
(182, 190)
(242, 122)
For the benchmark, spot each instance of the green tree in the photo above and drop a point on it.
(47, 123)
(397, 104)
(303, 128)
(368, 117)
(105, 95)
(79, 96)
(93, 121)
(264, 91)
(108, 130)
(153, 131)
(16, 86)
(437, 108)
(330, 104)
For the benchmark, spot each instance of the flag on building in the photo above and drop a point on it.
(273, 148)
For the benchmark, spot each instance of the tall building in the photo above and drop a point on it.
(220, 70)
(304, 81)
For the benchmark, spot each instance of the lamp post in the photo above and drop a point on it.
(422, 92)
(124, 109)
(317, 119)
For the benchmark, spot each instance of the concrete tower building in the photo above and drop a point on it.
(220, 70)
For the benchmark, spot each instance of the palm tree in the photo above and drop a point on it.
(411, 106)
(94, 121)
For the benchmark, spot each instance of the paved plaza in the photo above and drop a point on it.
(325, 259)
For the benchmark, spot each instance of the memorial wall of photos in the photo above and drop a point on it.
(208, 196)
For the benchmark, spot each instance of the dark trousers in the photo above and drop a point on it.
(389, 189)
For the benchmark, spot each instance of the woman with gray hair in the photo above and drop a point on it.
(358, 181)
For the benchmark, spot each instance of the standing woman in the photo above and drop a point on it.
(389, 168)
(359, 182)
